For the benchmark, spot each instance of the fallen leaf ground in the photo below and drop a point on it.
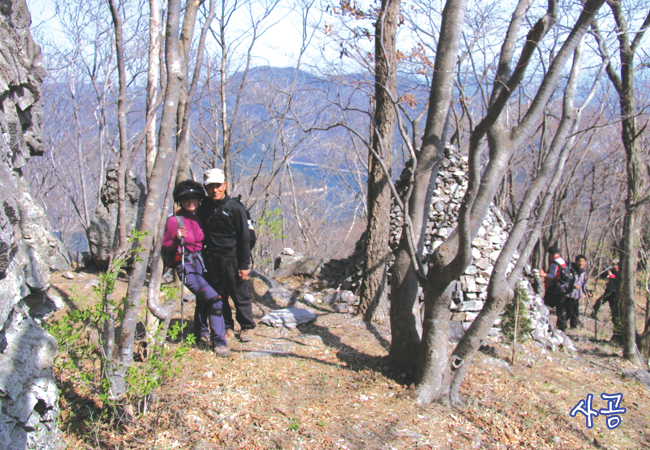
(327, 385)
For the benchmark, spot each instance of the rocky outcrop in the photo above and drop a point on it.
(101, 233)
(28, 249)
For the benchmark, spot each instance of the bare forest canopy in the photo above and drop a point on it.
(326, 165)
(327, 182)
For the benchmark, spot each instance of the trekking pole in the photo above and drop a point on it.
(182, 285)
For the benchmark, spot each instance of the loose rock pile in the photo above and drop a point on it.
(539, 316)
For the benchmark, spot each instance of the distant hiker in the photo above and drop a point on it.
(611, 288)
(554, 291)
(572, 299)
(227, 251)
(208, 302)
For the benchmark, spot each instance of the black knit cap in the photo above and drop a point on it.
(188, 187)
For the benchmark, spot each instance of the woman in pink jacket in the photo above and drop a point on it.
(208, 302)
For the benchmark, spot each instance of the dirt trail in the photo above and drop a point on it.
(327, 385)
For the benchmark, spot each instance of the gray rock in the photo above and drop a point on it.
(479, 242)
(475, 305)
(347, 297)
(568, 344)
(268, 281)
(280, 296)
(344, 308)
(286, 266)
(289, 318)
(309, 298)
(102, 226)
(308, 266)
(643, 376)
(283, 261)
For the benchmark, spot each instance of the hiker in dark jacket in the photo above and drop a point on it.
(611, 288)
(551, 296)
(227, 251)
(572, 299)
(208, 320)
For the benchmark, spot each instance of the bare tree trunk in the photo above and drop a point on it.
(373, 288)
(163, 312)
(154, 202)
(225, 130)
(151, 148)
(501, 286)
(404, 283)
(452, 257)
(183, 145)
(638, 176)
(152, 83)
(121, 238)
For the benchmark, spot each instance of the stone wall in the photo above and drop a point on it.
(28, 249)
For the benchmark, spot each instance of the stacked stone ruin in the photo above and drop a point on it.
(470, 291)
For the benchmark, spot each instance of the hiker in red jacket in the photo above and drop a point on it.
(208, 302)
(552, 296)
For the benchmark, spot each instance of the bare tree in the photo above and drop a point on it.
(502, 285)
(404, 280)
(638, 168)
(434, 368)
(375, 279)
(121, 356)
(153, 75)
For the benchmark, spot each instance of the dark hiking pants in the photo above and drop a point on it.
(607, 297)
(223, 274)
(561, 310)
(573, 311)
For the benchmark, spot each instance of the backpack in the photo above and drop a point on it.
(566, 280)
(251, 230)
(171, 258)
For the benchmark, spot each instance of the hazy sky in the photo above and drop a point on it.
(279, 46)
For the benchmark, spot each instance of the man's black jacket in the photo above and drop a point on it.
(225, 230)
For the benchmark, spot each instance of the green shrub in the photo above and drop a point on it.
(508, 318)
(81, 340)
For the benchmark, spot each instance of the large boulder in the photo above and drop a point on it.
(289, 264)
(28, 249)
(101, 233)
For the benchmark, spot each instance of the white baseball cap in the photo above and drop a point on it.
(214, 176)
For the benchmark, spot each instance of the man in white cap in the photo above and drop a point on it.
(227, 251)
